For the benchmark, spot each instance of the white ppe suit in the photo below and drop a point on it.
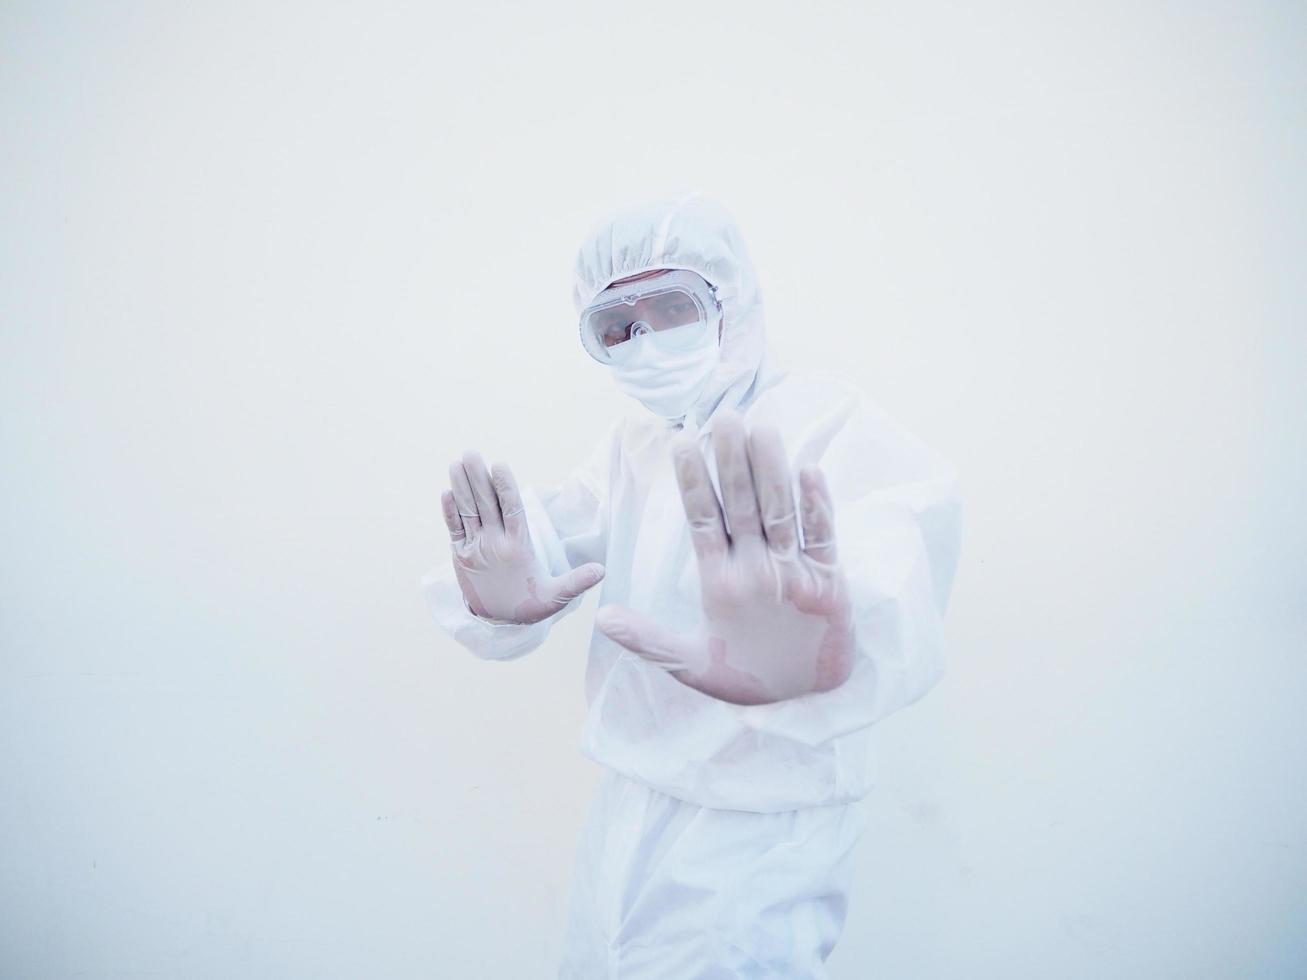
(720, 841)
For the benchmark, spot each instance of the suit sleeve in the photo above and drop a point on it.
(898, 530)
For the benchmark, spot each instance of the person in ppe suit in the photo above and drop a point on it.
(775, 556)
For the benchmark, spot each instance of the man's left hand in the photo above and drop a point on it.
(777, 616)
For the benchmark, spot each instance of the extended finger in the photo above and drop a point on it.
(707, 532)
(482, 489)
(818, 512)
(647, 638)
(736, 481)
(464, 500)
(452, 521)
(575, 582)
(771, 484)
(511, 508)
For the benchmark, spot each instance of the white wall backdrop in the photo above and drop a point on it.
(265, 269)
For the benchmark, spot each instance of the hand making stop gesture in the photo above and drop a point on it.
(777, 616)
(490, 543)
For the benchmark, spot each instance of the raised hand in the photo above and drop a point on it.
(493, 559)
(778, 620)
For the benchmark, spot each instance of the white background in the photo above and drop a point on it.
(264, 272)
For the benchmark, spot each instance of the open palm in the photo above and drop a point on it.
(494, 561)
(777, 615)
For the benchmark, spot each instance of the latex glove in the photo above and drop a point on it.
(778, 619)
(494, 562)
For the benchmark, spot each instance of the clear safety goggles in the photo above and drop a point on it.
(659, 306)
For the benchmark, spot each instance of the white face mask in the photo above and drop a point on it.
(666, 373)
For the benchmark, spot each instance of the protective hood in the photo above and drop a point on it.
(695, 233)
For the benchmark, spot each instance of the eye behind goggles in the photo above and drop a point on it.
(677, 298)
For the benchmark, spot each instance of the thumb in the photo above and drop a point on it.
(645, 637)
(571, 584)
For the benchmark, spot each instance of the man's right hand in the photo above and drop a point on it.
(493, 558)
